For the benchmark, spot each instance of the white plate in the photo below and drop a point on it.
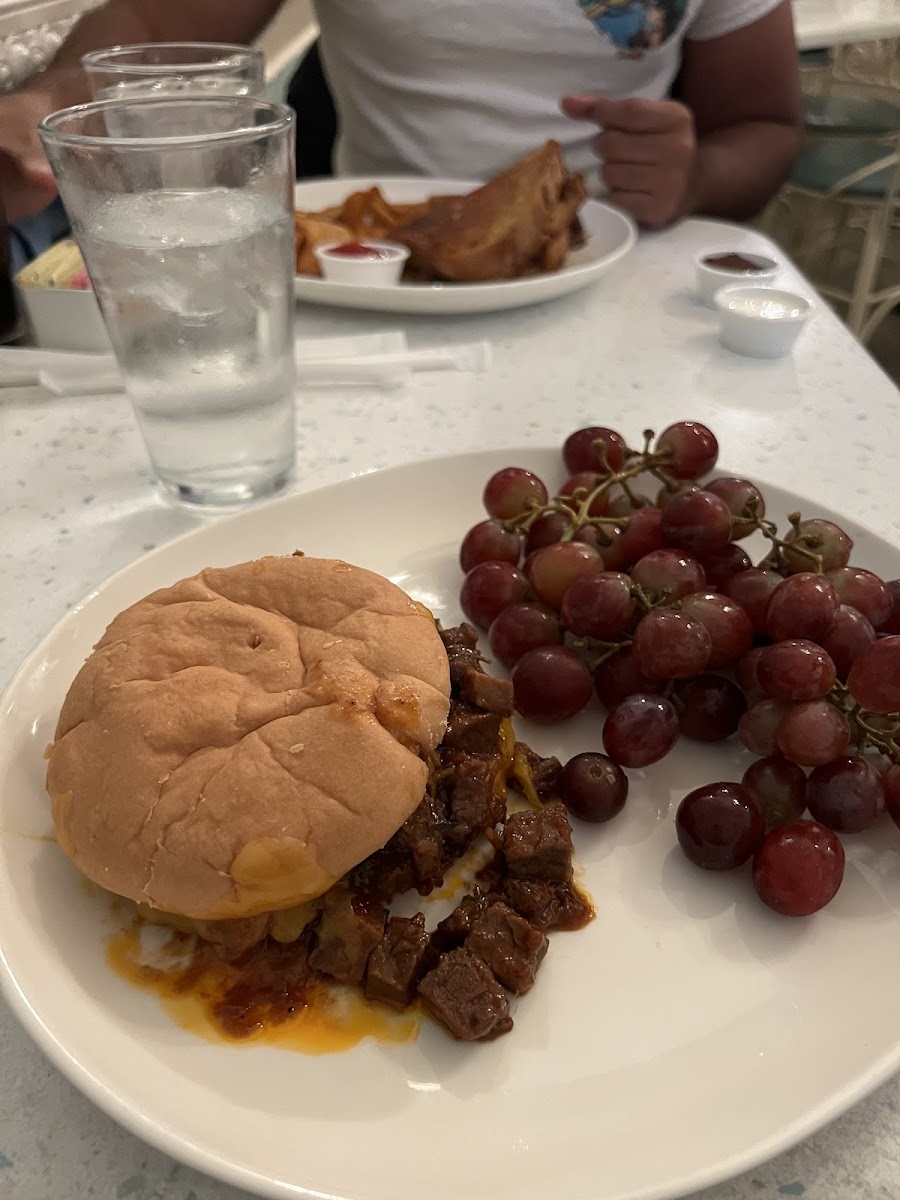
(610, 235)
(685, 1035)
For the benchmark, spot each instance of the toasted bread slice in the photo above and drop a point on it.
(517, 224)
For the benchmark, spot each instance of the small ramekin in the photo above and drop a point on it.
(384, 271)
(761, 322)
(712, 279)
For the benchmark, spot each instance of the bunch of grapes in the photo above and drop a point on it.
(645, 599)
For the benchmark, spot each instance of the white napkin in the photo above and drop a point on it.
(372, 360)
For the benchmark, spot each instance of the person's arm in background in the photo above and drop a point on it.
(26, 182)
(725, 147)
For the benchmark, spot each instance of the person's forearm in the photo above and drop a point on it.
(125, 22)
(738, 169)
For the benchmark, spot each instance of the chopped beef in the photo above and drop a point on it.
(511, 946)
(387, 873)
(547, 904)
(233, 937)
(398, 961)
(423, 835)
(349, 930)
(473, 803)
(461, 644)
(537, 843)
(270, 987)
(465, 997)
(472, 731)
(460, 637)
(454, 929)
(544, 772)
(486, 692)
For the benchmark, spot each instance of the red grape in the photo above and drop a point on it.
(668, 573)
(640, 537)
(691, 449)
(550, 684)
(593, 787)
(670, 645)
(489, 541)
(710, 708)
(745, 674)
(802, 606)
(489, 588)
(823, 538)
(720, 565)
(640, 730)
(813, 733)
(758, 727)
(578, 487)
(891, 784)
(874, 678)
(728, 626)
(795, 670)
(798, 868)
(669, 491)
(849, 634)
(720, 826)
(512, 491)
(553, 569)
(598, 606)
(547, 529)
(523, 627)
(753, 590)
(580, 454)
(845, 794)
(779, 786)
(618, 676)
(892, 624)
(698, 522)
(744, 499)
(863, 591)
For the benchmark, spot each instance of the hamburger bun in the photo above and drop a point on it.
(237, 742)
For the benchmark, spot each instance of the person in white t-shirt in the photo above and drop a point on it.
(461, 88)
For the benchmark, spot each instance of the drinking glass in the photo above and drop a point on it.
(188, 241)
(173, 69)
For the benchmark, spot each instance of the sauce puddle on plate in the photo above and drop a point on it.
(260, 1002)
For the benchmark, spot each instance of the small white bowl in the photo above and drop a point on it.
(383, 269)
(760, 322)
(712, 279)
(64, 319)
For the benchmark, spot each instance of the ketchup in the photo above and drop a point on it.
(357, 250)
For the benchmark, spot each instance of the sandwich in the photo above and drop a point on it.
(264, 757)
(237, 742)
(523, 222)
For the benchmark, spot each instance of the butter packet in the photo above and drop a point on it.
(59, 267)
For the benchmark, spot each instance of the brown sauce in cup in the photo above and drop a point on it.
(733, 262)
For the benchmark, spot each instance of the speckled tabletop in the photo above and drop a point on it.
(77, 503)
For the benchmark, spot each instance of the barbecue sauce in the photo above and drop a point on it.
(262, 1000)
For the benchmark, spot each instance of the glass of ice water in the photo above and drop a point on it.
(188, 238)
(175, 68)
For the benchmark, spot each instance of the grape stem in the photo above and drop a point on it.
(595, 650)
(864, 731)
(802, 544)
(577, 507)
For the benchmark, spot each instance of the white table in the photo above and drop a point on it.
(76, 503)
(822, 23)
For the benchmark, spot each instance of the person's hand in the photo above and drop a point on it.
(649, 150)
(26, 181)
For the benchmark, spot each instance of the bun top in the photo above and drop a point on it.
(237, 742)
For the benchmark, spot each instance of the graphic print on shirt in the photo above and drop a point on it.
(635, 26)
